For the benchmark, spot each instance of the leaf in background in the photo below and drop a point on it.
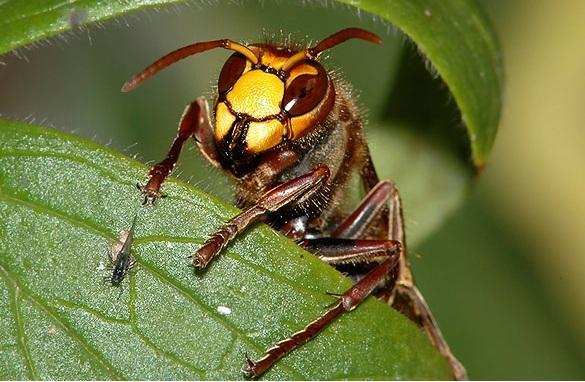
(460, 44)
(62, 203)
(26, 22)
(431, 181)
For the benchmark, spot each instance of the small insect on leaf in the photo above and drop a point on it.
(120, 257)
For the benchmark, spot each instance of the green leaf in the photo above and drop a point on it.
(63, 201)
(26, 22)
(462, 47)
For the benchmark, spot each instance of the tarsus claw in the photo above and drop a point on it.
(150, 195)
(248, 368)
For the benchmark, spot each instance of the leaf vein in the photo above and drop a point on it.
(25, 153)
(147, 341)
(87, 348)
(310, 292)
(229, 349)
(111, 175)
(92, 311)
(211, 312)
(22, 341)
(47, 210)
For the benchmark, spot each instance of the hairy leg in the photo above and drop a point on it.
(343, 250)
(282, 195)
(194, 123)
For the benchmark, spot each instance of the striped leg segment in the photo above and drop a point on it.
(271, 201)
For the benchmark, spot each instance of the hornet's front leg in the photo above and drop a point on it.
(285, 194)
(194, 123)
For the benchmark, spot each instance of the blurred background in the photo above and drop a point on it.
(504, 272)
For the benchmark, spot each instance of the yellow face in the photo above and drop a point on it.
(259, 106)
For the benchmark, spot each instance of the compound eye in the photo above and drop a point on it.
(231, 71)
(304, 93)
